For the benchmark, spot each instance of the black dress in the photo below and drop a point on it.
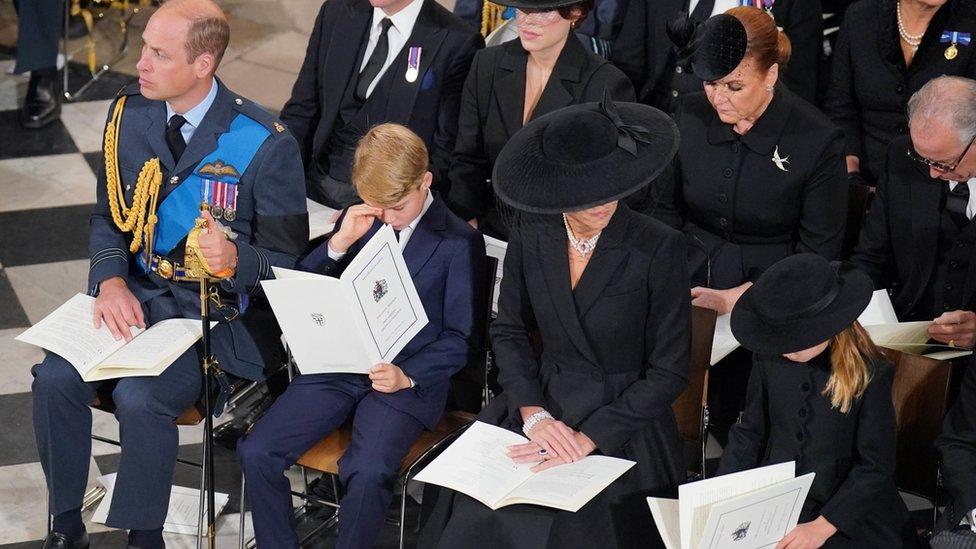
(745, 202)
(615, 356)
(492, 105)
(788, 418)
(871, 85)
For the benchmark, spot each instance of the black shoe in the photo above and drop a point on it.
(43, 102)
(227, 434)
(57, 540)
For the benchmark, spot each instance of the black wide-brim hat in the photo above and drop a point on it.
(799, 303)
(583, 156)
(537, 4)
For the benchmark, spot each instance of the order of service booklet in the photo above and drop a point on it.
(97, 355)
(750, 509)
(349, 324)
(476, 464)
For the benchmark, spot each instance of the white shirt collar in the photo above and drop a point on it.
(195, 115)
(403, 20)
(407, 232)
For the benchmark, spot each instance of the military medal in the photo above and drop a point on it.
(230, 208)
(766, 5)
(413, 64)
(954, 39)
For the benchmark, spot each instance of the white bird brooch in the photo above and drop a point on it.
(780, 162)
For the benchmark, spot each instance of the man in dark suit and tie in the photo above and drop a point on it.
(375, 61)
(918, 239)
(393, 404)
(180, 132)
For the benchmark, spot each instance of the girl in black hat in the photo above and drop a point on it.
(546, 69)
(820, 395)
(606, 290)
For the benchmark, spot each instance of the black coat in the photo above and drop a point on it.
(642, 49)
(788, 418)
(957, 448)
(428, 105)
(737, 207)
(871, 84)
(491, 112)
(615, 356)
(899, 243)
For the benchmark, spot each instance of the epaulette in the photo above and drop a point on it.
(130, 89)
(258, 114)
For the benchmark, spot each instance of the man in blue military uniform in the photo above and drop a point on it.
(178, 138)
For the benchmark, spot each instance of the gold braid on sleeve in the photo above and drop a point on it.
(135, 218)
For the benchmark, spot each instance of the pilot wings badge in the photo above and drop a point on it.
(219, 169)
(780, 162)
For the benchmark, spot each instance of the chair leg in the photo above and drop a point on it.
(240, 531)
(704, 441)
(403, 508)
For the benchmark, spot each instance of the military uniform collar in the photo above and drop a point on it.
(195, 115)
(765, 134)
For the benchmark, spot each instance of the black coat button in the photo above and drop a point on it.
(803, 412)
(674, 93)
(805, 387)
(678, 70)
(953, 264)
(948, 287)
(735, 147)
(799, 437)
(723, 198)
(899, 88)
(902, 130)
(727, 172)
(946, 307)
(961, 244)
(723, 222)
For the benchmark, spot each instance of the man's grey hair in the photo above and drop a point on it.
(948, 100)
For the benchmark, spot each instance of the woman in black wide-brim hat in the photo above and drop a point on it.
(820, 395)
(546, 69)
(606, 289)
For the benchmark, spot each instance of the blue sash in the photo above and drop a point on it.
(181, 207)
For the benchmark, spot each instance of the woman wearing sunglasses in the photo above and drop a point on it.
(516, 82)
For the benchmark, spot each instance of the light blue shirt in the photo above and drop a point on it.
(195, 115)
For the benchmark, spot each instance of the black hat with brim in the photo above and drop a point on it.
(799, 303)
(717, 47)
(583, 156)
(537, 4)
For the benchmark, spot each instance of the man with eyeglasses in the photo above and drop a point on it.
(918, 239)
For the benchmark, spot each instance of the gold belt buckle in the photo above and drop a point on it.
(165, 268)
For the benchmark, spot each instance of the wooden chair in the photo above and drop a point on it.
(691, 408)
(920, 391)
(324, 456)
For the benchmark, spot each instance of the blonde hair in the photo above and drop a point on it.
(850, 352)
(390, 163)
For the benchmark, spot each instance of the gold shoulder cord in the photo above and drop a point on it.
(491, 17)
(132, 219)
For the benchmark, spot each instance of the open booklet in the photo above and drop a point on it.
(745, 510)
(349, 324)
(476, 464)
(97, 355)
(881, 323)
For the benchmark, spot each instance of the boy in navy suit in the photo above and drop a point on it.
(396, 402)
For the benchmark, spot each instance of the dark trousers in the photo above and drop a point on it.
(145, 407)
(39, 25)
(312, 407)
(328, 190)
